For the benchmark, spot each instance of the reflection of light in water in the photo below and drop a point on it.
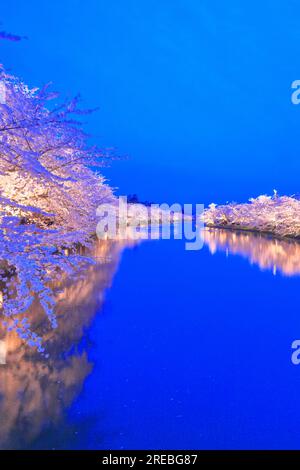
(267, 253)
(2, 352)
(35, 390)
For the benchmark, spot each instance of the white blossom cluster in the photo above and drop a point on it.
(278, 215)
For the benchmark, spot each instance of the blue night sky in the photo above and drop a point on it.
(195, 92)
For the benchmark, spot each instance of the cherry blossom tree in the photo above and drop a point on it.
(50, 187)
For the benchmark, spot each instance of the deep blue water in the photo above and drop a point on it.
(185, 350)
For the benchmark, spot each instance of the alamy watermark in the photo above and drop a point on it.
(295, 96)
(122, 220)
(295, 357)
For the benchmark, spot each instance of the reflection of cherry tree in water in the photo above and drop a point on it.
(35, 390)
(267, 253)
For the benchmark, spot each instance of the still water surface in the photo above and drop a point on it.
(158, 347)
